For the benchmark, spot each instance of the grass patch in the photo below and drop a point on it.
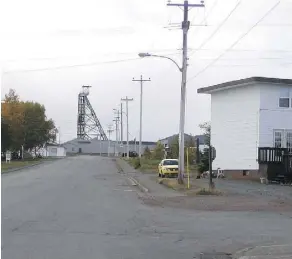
(17, 164)
(145, 165)
(197, 188)
(173, 184)
(205, 191)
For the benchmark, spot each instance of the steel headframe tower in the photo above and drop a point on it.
(88, 125)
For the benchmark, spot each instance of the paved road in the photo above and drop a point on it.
(81, 207)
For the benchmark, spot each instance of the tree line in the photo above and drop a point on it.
(24, 124)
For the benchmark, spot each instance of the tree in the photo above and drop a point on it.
(174, 148)
(206, 127)
(190, 144)
(27, 123)
(147, 153)
(11, 97)
(5, 136)
(158, 152)
(204, 163)
(12, 112)
(37, 129)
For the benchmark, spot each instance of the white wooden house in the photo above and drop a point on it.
(247, 114)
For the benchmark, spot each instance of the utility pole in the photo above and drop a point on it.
(122, 144)
(110, 130)
(210, 166)
(116, 120)
(141, 80)
(122, 122)
(59, 130)
(185, 28)
(127, 100)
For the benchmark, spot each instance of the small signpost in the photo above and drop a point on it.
(212, 156)
(8, 156)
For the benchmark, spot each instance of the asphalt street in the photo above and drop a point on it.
(81, 207)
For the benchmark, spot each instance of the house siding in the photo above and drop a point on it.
(234, 124)
(271, 116)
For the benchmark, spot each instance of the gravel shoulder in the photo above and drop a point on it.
(236, 195)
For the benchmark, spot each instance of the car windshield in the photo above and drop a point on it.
(170, 162)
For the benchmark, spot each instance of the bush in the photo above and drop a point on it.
(158, 152)
(136, 163)
(147, 153)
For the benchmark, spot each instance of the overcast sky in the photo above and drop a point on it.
(42, 41)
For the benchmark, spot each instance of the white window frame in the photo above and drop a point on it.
(290, 140)
(282, 96)
(284, 138)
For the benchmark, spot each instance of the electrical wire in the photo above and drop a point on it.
(246, 50)
(205, 17)
(236, 42)
(217, 29)
(69, 66)
(119, 53)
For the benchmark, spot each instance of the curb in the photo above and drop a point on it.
(20, 168)
(28, 166)
(134, 182)
(251, 252)
(120, 169)
(239, 254)
(130, 179)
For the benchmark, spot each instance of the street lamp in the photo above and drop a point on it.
(182, 114)
(143, 55)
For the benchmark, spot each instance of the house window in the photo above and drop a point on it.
(284, 100)
(289, 140)
(283, 139)
(278, 138)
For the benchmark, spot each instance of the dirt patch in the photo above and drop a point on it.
(195, 188)
(218, 203)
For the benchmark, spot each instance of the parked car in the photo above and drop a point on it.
(168, 168)
(131, 154)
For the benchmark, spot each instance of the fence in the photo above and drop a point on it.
(278, 161)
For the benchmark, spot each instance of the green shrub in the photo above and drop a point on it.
(136, 163)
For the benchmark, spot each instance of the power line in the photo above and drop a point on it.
(246, 59)
(69, 66)
(252, 65)
(235, 43)
(206, 17)
(218, 28)
(246, 50)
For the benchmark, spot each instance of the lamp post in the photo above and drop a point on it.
(182, 112)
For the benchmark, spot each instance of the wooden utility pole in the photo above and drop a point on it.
(185, 28)
(141, 80)
(127, 100)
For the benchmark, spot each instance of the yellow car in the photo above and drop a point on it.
(168, 167)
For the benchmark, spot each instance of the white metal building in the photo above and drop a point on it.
(103, 147)
(247, 114)
(54, 150)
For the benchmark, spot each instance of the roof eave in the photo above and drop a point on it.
(242, 82)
